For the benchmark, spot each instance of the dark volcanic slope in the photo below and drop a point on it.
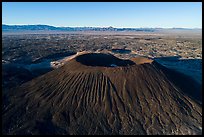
(88, 96)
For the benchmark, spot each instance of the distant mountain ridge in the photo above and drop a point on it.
(28, 27)
(7, 28)
(47, 27)
(53, 28)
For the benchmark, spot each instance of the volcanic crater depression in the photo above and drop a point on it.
(102, 60)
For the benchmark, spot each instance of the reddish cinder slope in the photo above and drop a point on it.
(88, 96)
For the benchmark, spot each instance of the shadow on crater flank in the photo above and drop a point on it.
(103, 60)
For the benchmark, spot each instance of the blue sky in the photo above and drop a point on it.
(104, 14)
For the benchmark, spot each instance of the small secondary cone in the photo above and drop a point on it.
(90, 95)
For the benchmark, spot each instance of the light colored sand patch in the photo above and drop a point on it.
(133, 52)
(61, 62)
(141, 60)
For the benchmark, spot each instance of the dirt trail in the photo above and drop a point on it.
(59, 63)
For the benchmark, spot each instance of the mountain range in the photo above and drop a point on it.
(53, 28)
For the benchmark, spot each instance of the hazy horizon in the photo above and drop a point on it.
(97, 26)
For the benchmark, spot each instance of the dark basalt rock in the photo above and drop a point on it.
(87, 97)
